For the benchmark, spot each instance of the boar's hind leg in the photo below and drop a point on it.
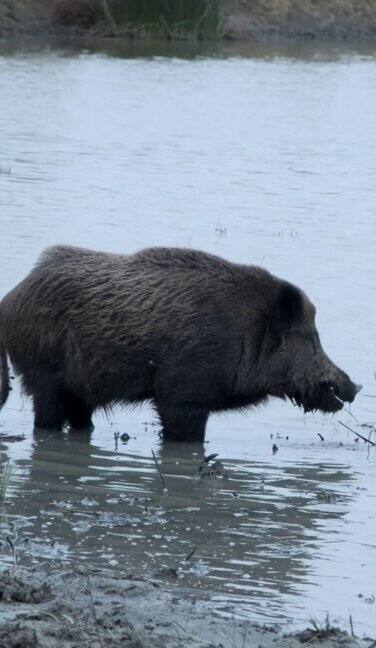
(182, 422)
(78, 412)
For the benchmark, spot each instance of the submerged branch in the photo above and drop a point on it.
(357, 434)
(159, 470)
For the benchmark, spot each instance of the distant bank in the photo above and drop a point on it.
(193, 19)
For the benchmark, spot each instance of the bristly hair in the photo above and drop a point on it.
(4, 375)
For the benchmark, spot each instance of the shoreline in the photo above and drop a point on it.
(243, 20)
(42, 607)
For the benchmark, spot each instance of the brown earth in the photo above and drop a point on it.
(333, 19)
(19, 16)
(243, 19)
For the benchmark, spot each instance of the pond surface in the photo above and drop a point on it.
(261, 155)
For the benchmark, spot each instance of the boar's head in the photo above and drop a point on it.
(294, 362)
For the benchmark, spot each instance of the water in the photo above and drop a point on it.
(260, 155)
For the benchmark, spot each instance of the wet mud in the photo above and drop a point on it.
(92, 609)
(301, 19)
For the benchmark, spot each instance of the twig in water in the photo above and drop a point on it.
(12, 437)
(192, 637)
(221, 231)
(160, 472)
(10, 543)
(210, 457)
(357, 434)
(192, 551)
(351, 626)
(93, 611)
(351, 414)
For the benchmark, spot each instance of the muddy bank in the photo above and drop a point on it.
(88, 608)
(229, 19)
(19, 17)
(327, 19)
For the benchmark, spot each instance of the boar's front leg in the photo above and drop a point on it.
(182, 422)
(78, 413)
(48, 400)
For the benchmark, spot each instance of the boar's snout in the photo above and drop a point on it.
(347, 390)
(302, 370)
(332, 393)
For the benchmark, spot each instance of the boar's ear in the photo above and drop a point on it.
(288, 307)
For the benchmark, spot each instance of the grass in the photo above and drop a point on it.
(321, 631)
(193, 19)
(171, 18)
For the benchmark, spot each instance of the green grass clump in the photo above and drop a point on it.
(195, 19)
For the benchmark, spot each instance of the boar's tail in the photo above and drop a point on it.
(4, 374)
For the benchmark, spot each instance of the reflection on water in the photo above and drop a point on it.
(257, 154)
(128, 49)
(255, 531)
(265, 535)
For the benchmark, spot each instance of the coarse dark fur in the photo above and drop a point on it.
(189, 331)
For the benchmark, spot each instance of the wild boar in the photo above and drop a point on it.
(188, 331)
